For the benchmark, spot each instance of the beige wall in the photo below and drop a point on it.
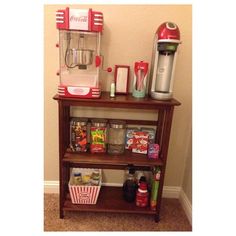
(128, 37)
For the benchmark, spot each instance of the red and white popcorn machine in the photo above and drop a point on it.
(166, 41)
(79, 46)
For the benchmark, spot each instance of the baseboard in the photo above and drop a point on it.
(51, 186)
(168, 192)
(186, 204)
(171, 192)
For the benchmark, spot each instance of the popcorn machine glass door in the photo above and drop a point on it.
(78, 51)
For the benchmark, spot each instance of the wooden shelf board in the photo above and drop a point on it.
(110, 199)
(125, 101)
(128, 158)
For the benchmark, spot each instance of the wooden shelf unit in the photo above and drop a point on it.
(110, 198)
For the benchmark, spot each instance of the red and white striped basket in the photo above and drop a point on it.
(81, 194)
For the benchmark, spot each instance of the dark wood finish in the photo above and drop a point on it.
(159, 124)
(164, 144)
(62, 147)
(110, 199)
(120, 101)
(120, 161)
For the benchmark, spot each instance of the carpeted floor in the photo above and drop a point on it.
(173, 218)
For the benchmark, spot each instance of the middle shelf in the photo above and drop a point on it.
(111, 161)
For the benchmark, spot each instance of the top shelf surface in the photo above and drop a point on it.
(120, 101)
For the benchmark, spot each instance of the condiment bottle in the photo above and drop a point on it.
(130, 186)
(95, 177)
(77, 179)
(142, 195)
(113, 89)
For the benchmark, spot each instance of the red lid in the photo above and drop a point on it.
(168, 32)
(143, 186)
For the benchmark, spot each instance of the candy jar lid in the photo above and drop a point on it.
(99, 122)
(117, 124)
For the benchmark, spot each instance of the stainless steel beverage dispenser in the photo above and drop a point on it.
(166, 41)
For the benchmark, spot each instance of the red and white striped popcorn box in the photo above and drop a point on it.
(82, 194)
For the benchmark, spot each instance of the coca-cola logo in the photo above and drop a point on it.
(79, 18)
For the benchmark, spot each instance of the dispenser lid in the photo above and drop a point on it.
(168, 32)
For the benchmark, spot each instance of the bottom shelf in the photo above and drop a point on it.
(110, 199)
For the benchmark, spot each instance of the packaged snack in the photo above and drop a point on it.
(98, 133)
(155, 187)
(129, 137)
(140, 142)
(153, 150)
(151, 134)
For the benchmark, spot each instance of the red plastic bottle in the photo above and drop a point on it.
(142, 195)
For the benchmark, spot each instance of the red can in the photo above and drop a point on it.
(142, 195)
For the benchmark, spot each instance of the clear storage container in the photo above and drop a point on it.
(78, 134)
(98, 136)
(116, 140)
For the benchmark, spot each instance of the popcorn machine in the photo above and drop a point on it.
(79, 47)
(166, 41)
